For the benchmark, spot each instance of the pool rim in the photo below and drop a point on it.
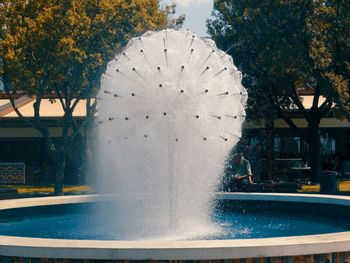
(176, 250)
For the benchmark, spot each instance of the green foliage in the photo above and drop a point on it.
(173, 21)
(65, 45)
(283, 46)
(330, 49)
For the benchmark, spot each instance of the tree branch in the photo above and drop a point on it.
(60, 98)
(89, 117)
(342, 108)
(316, 97)
(82, 94)
(288, 120)
(14, 106)
(36, 124)
(326, 106)
(326, 109)
(296, 99)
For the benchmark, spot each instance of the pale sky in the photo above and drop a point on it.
(196, 11)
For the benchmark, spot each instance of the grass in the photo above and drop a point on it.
(344, 186)
(309, 189)
(47, 189)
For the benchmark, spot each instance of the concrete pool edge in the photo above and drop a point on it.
(176, 250)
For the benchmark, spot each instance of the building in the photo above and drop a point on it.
(288, 147)
(22, 147)
(20, 143)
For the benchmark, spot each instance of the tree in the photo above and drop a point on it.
(330, 49)
(283, 47)
(174, 22)
(63, 47)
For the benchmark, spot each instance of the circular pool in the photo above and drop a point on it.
(251, 225)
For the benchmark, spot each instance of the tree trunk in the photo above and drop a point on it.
(270, 149)
(315, 148)
(60, 168)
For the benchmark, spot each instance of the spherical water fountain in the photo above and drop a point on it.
(171, 107)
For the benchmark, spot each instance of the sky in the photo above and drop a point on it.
(196, 11)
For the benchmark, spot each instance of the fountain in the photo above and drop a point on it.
(171, 108)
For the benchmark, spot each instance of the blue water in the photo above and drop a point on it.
(275, 225)
(250, 220)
